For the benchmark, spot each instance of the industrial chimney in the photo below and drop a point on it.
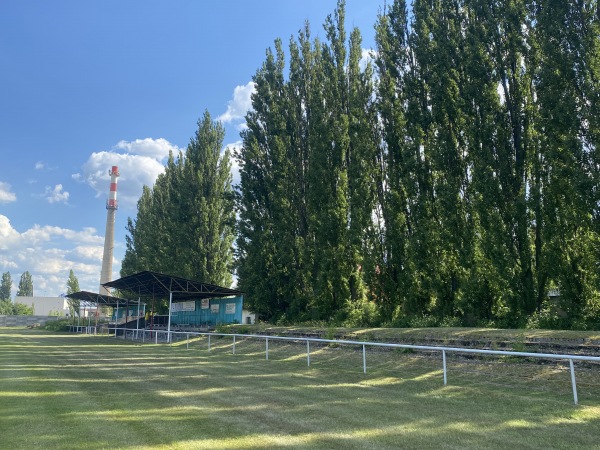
(109, 236)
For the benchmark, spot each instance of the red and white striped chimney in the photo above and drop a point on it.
(111, 203)
(109, 236)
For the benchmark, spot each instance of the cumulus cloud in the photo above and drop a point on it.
(49, 253)
(235, 167)
(153, 148)
(140, 165)
(239, 104)
(8, 234)
(366, 56)
(39, 165)
(89, 252)
(56, 195)
(6, 196)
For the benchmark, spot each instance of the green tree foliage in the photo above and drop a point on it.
(25, 285)
(72, 287)
(6, 308)
(458, 185)
(19, 309)
(567, 85)
(14, 309)
(6, 287)
(185, 223)
(307, 168)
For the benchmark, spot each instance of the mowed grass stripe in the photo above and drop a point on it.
(85, 392)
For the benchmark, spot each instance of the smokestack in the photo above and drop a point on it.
(109, 236)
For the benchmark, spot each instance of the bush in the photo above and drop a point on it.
(362, 314)
(9, 308)
(57, 325)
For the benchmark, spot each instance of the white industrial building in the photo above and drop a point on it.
(45, 306)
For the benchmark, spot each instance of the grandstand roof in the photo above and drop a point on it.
(100, 299)
(149, 285)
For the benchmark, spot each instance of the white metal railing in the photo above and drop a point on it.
(167, 337)
(84, 329)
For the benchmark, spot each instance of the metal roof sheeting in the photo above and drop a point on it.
(150, 285)
(100, 299)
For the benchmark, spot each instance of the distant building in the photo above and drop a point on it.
(45, 306)
(248, 317)
(553, 294)
(54, 306)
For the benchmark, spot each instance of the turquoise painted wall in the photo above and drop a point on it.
(212, 311)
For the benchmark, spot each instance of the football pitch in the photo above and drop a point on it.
(67, 391)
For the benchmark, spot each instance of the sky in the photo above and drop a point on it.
(86, 85)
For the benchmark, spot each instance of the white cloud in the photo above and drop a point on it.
(367, 56)
(8, 234)
(154, 148)
(240, 104)
(41, 165)
(56, 195)
(235, 167)
(139, 166)
(6, 196)
(89, 252)
(49, 253)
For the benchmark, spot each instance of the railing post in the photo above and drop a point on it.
(364, 359)
(209, 342)
(156, 337)
(573, 381)
(234, 344)
(267, 348)
(444, 364)
(308, 352)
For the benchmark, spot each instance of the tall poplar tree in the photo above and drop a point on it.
(185, 223)
(72, 287)
(335, 262)
(25, 285)
(567, 84)
(302, 219)
(270, 247)
(5, 287)
(207, 214)
(397, 160)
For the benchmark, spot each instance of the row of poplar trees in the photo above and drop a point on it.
(185, 224)
(452, 180)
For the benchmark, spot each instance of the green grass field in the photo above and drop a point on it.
(63, 391)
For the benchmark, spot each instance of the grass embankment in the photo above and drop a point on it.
(426, 333)
(552, 341)
(84, 392)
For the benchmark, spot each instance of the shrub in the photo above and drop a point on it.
(362, 314)
(57, 325)
(547, 319)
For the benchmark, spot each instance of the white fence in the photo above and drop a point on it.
(167, 336)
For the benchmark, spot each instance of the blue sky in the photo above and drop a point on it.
(85, 85)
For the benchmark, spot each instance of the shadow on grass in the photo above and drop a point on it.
(85, 392)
